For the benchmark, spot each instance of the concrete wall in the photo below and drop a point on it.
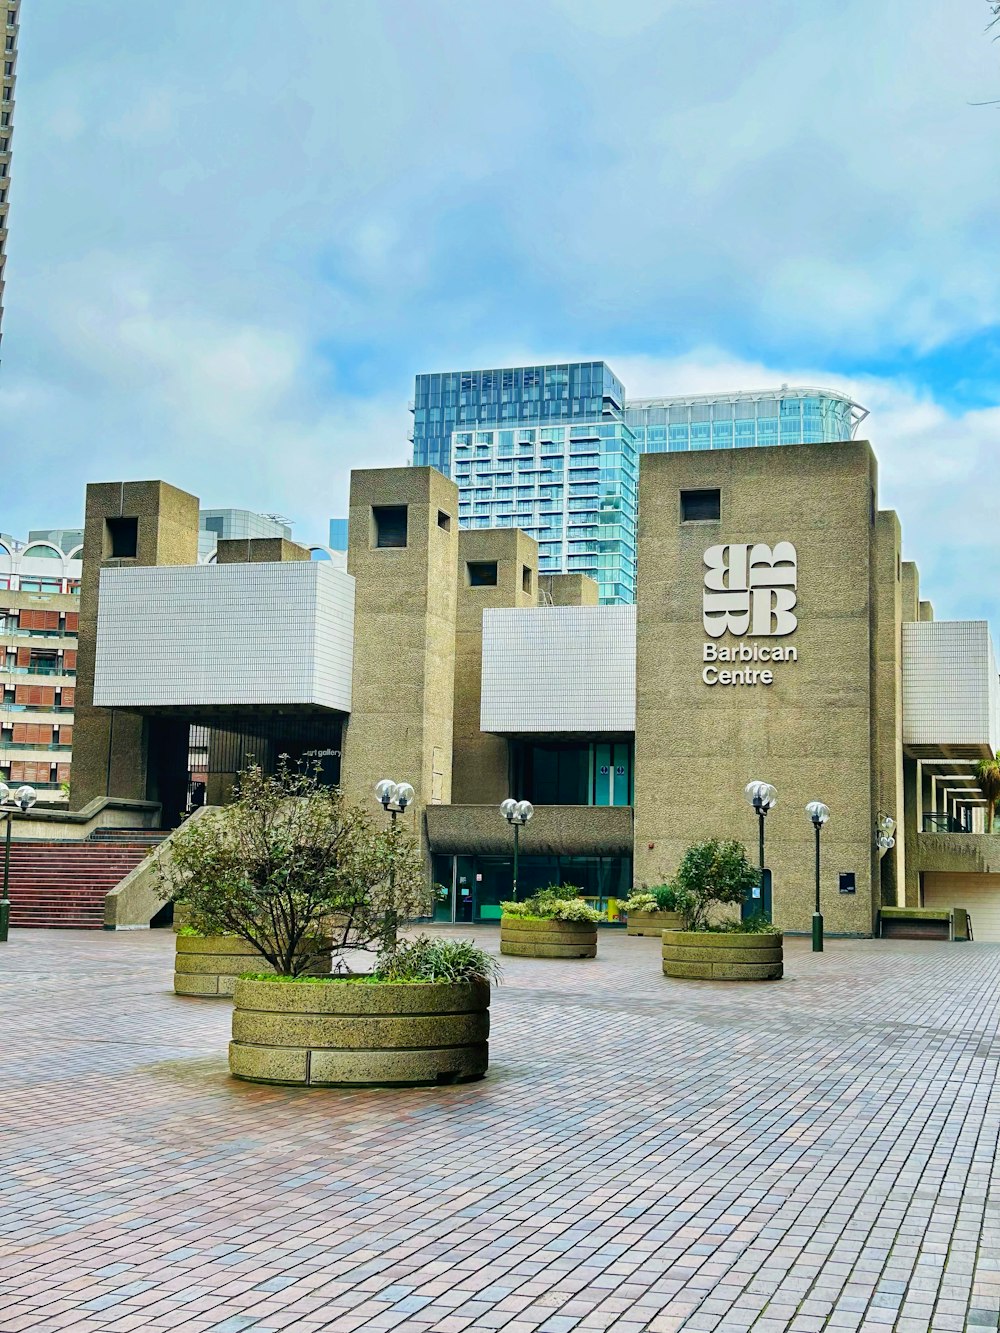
(404, 642)
(887, 599)
(480, 768)
(810, 731)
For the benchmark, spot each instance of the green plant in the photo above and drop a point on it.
(988, 777)
(666, 897)
(295, 871)
(558, 902)
(426, 958)
(641, 902)
(711, 874)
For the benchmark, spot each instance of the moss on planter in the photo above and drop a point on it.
(343, 1035)
(532, 937)
(705, 955)
(208, 966)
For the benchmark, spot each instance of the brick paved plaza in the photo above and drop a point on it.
(645, 1154)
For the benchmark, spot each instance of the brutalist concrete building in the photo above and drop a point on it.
(777, 634)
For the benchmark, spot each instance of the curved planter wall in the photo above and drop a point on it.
(707, 956)
(652, 923)
(208, 965)
(547, 939)
(343, 1033)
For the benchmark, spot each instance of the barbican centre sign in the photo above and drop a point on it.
(749, 595)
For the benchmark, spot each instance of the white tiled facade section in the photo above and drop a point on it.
(951, 694)
(560, 668)
(279, 633)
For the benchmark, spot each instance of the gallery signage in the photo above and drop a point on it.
(749, 594)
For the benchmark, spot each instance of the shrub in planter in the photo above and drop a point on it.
(711, 875)
(652, 910)
(552, 923)
(421, 1017)
(296, 873)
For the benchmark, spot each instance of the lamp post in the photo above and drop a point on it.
(517, 814)
(884, 830)
(394, 797)
(819, 814)
(763, 797)
(23, 799)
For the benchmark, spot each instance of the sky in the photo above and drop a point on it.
(239, 229)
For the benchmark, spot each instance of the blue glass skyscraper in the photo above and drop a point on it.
(554, 450)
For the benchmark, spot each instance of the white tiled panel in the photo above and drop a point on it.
(951, 694)
(280, 633)
(559, 668)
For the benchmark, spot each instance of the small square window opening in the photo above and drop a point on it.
(389, 526)
(121, 538)
(482, 573)
(444, 521)
(701, 506)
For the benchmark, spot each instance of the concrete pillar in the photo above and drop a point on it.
(480, 772)
(403, 554)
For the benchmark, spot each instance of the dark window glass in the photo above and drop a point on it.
(444, 520)
(390, 525)
(122, 538)
(526, 578)
(482, 573)
(700, 506)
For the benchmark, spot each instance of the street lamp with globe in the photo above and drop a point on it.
(23, 799)
(517, 814)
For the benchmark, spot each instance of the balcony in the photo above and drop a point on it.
(959, 853)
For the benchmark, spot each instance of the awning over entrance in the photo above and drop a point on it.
(556, 830)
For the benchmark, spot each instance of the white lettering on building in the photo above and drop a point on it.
(750, 588)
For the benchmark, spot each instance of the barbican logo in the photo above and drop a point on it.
(750, 589)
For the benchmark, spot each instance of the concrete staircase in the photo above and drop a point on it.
(64, 884)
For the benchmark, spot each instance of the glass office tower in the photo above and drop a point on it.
(554, 450)
(518, 396)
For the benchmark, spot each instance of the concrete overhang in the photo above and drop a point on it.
(216, 638)
(556, 830)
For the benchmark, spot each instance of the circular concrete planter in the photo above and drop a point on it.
(652, 923)
(208, 965)
(547, 939)
(704, 955)
(354, 1033)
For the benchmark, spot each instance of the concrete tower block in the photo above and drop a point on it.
(497, 567)
(802, 719)
(403, 553)
(121, 754)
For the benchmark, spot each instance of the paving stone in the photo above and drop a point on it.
(812, 1155)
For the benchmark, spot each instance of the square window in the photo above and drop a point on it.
(481, 573)
(526, 578)
(701, 506)
(121, 538)
(388, 526)
(444, 521)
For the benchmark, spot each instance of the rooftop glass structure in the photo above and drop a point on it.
(742, 420)
(554, 450)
